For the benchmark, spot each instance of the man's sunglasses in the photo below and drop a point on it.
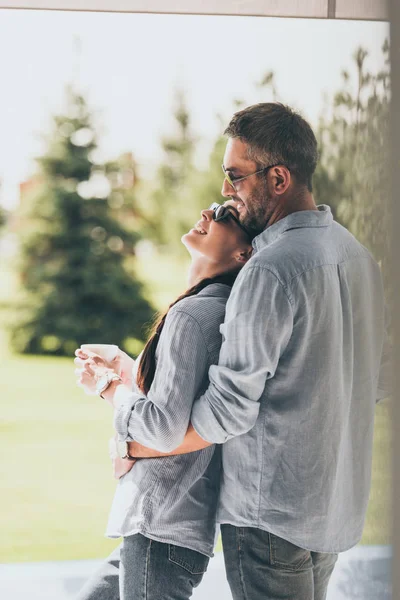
(223, 213)
(234, 180)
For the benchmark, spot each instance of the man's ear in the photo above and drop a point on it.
(282, 179)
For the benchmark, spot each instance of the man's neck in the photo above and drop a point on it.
(297, 203)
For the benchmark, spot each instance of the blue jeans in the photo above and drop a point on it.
(260, 565)
(142, 569)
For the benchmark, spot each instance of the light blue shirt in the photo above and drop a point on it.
(293, 396)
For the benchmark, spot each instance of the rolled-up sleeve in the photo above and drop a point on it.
(258, 325)
(160, 419)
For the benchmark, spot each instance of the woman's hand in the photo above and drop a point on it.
(89, 370)
(122, 364)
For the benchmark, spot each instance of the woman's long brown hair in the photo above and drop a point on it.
(147, 365)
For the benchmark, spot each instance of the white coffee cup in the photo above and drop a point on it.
(106, 351)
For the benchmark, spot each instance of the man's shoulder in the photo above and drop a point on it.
(300, 250)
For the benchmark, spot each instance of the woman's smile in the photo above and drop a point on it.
(198, 228)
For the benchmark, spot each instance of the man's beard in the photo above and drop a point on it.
(258, 211)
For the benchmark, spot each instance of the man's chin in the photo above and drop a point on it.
(254, 232)
(253, 228)
(244, 217)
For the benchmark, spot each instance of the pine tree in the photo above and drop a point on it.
(353, 175)
(173, 205)
(74, 253)
(210, 182)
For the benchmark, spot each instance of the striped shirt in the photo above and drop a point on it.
(173, 499)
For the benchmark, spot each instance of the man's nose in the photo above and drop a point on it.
(227, 190)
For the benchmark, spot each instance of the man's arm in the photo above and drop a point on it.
(258, 325)
(191, 443)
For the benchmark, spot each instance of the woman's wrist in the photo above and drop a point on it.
(109, 393)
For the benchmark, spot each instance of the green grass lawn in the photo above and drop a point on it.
(56, 480)
(55, 474)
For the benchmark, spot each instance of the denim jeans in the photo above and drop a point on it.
(143, 569)
(262, 565)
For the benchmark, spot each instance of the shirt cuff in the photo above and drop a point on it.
(205, 423)
(123, 407)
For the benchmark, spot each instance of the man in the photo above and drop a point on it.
(303, 361)
(294, 393)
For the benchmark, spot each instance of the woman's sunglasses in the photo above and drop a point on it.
(223, 213)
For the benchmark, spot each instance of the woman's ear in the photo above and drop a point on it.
(244, 255)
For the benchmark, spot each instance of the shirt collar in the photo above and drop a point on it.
(303, 218)
(219, 290)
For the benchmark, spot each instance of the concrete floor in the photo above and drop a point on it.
(362, 573)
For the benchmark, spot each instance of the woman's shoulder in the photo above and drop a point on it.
(207, 307)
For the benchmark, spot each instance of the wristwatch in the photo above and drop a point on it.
(105, 380)
(123, 451)
(117, 449)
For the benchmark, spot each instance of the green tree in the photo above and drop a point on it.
(3, 213)
(76, 257)
(2, 218)
(209, 183)
(353, 174)
(126, 197)
(171, 204)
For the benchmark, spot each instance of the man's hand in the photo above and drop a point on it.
(121, 466)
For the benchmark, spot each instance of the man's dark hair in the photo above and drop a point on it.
(275, 134)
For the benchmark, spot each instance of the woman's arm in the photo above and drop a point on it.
(191, 443)
(160, 420)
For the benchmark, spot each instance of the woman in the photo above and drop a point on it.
(164, 508)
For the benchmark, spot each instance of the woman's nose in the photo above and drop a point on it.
(207, 214)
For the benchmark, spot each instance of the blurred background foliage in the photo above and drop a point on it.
(98, 252)
(3, 215)
(79, 231)
(76, 250)
(353, 173)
